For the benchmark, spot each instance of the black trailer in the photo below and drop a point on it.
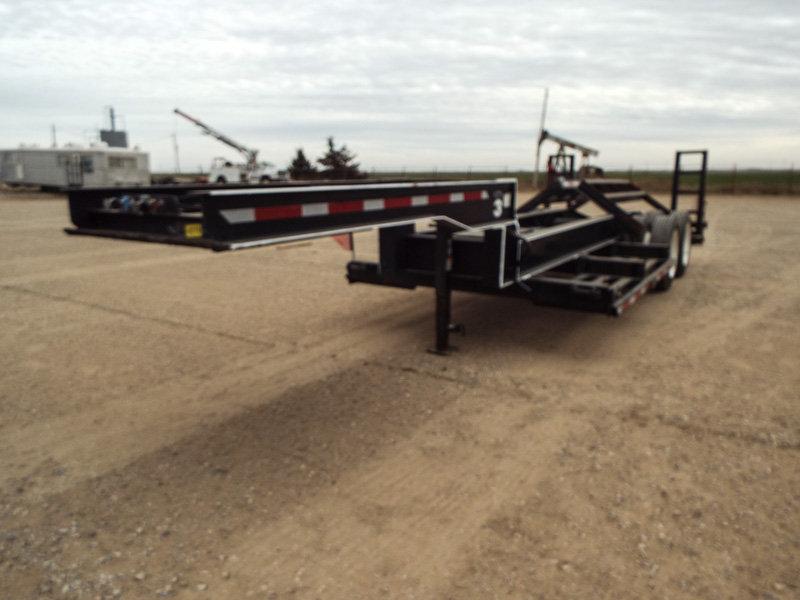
(579, 244)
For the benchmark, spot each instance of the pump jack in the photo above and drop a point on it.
(562, 164)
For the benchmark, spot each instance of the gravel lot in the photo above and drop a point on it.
(178, 423)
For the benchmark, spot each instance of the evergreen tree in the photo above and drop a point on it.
(338, 163)
(301, 168)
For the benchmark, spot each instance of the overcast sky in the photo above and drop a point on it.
(413, 83)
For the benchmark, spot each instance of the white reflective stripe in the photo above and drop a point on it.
(419, 200)
(373, 205)
(507, 200)
(239, 215)
(484, 195)
(315, 209)
(457, 197)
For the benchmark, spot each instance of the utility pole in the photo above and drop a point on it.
(539, 139)
(53, 140)
(175, 152)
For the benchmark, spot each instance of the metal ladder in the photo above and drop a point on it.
(697, 214)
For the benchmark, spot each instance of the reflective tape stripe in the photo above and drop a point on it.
(239, 215)
(235, 216)
(317, 209)
(373, 205)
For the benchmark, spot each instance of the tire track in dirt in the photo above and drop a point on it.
(138, 316)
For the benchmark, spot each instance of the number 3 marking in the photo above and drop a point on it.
(497, 208)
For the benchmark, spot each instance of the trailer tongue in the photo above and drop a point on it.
(473, 237)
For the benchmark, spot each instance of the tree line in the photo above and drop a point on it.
(336, 163)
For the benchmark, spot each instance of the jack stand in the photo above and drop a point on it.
(442, 253)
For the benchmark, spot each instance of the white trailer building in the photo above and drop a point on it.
(93, 166)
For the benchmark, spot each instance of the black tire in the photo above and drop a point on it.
(685, 251)
(264, 179)
(665, 229)
(221, 179)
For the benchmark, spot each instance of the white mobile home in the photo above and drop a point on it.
(93, 166)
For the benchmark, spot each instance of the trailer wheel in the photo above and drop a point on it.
(685, 253)
(221, 179)
(666, 230)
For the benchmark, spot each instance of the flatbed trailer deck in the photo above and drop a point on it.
(450, 235)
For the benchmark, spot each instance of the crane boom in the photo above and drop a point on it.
(249, 153)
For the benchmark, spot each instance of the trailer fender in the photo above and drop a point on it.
(666, 229)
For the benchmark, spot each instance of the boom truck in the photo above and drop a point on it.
(225, 171)
(588, 244)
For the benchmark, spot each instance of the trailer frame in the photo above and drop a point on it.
(476, 238)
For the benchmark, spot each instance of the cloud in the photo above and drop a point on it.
(410, 84)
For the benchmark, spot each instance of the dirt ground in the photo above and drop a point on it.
(179, 423)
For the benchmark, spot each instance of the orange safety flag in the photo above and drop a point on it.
(345, 240)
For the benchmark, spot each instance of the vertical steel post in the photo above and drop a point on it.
(676, 177)
(701, 197)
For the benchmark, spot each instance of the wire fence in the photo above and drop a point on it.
(720, 181)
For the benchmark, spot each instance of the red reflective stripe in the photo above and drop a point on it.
(401, 202)
(438, 198)
(475, 195)
(346, 206)
(269, 213)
